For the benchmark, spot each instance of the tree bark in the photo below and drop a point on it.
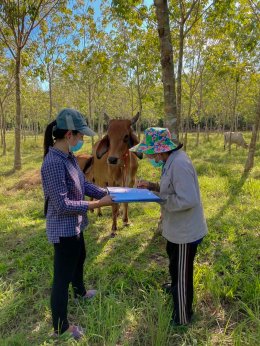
(252, 146)
(17, 150)
(3, 130)
(207, 129)
(1, 122)
(138, 124)
(168, 78)
(50, 93)
(90, 113)
(186, 134)
(179, 74)
(198, 135)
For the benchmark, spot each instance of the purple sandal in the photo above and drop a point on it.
(90, 294)
(76, 333)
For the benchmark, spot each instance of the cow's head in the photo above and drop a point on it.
(119, 138)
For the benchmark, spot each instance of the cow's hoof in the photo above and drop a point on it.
(126, 224)
(112, 235)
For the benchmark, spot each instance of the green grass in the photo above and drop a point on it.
(128, 270)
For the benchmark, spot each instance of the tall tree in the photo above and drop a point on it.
(168, 77)
(252, 146)
(6, 90)
(53, 42)
(130, 8)
(17, 21)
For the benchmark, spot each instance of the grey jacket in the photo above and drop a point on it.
(182, 212)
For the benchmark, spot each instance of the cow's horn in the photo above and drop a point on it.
(135, 118)
(106, 117)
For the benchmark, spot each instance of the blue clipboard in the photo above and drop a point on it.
(127, 194)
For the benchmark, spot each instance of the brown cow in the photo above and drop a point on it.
(112, 163)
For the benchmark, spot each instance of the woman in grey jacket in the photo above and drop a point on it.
(183, 221)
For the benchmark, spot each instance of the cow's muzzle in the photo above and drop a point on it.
(112, 160)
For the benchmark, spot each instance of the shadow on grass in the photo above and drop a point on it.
(7, 173)
(231, 248)
(235, 188)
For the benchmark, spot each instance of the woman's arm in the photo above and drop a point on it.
(55, 188)
(105, 201)
(94, 191)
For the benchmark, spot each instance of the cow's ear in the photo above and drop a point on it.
(139, 155)
(102, 147)
(133, 139)
(88, 164)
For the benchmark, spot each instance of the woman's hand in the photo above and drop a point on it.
(142, 184)
(105, 201)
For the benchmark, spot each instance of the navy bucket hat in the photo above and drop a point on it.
(70, 119)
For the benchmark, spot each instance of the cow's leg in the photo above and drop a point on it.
(114, 217)
(118, 209)
(125, 214)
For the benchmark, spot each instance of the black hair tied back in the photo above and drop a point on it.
(52, 133)
(48, 137)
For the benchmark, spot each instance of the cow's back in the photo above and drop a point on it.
(235, 138)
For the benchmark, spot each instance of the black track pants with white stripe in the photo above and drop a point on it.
(181, 257)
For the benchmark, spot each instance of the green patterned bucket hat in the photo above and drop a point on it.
(156, 140)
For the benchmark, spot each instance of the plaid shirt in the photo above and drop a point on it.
(64, 187)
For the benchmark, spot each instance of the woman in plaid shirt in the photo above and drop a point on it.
(64, 187)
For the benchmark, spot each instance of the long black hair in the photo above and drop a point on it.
(51, 135)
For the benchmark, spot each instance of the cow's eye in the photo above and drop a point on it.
(126, 138)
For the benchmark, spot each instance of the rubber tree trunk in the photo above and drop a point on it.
(185, 141)
(179, 74)
(168, 77)
(138, 124)
(17, 150)
(252, 146)
(50, 93)
(3, 130)
(198, 136)
(207, 129)
(90, 114)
